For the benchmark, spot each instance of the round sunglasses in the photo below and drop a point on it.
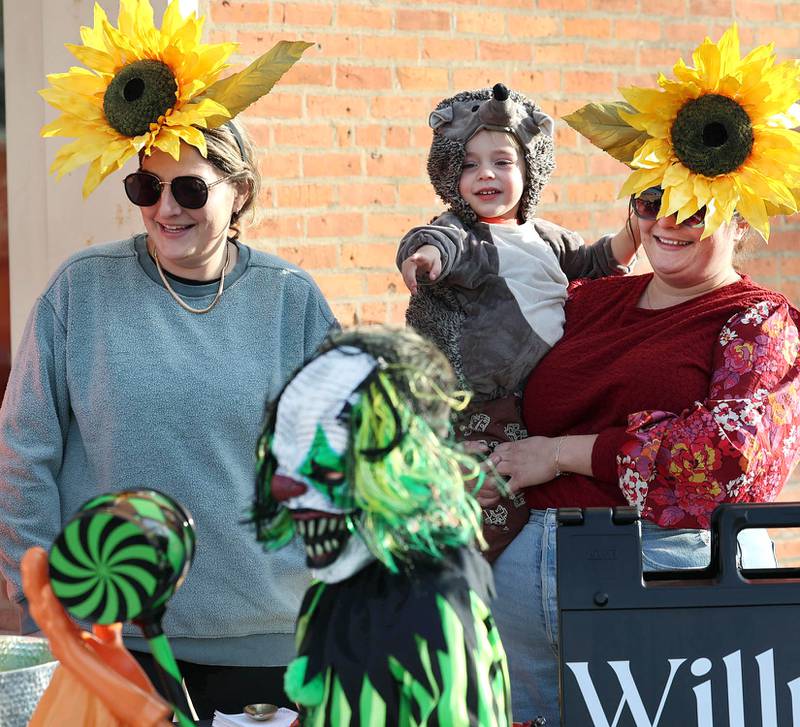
(648, 203)
(144, 189)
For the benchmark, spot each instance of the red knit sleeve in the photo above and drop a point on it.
(739, 445)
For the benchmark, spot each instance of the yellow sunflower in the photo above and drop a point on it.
(148, 88)
(138, 92)
(719, 136)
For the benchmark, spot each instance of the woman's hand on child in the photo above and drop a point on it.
(526, 462)
(427, 259)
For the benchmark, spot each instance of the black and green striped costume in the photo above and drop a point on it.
(419, 647)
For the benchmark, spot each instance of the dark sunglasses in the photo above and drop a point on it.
(144, 189)
(648, 203)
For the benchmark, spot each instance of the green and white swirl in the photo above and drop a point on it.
(122, 556)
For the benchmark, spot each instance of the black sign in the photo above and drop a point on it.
(717, 647)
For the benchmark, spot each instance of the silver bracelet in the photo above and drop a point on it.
(559, 442)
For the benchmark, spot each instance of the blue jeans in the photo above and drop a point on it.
(526, 609)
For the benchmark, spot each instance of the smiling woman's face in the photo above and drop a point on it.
(681, 259)
(189, 242)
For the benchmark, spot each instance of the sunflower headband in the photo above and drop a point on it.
(147, 88)
(719, 136)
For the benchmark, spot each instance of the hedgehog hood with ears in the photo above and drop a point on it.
(457, 119)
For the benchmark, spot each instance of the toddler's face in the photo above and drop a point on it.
(493, 176)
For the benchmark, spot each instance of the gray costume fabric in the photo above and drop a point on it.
(115, 386)
(474, 311)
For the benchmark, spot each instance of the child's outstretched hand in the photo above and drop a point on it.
(426, 259)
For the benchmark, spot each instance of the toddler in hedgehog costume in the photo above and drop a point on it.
(488, 279)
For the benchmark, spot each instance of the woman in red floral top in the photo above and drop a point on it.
(673, 391)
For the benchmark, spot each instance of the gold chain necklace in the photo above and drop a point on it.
(178, 299)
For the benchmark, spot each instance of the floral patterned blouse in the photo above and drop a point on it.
(740, 444)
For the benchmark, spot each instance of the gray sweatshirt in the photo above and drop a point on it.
(115, 386)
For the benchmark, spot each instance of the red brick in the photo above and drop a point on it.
(390, 224)
(615, 56)
(363, 77)
(360, 16)
(309, 74)
(254, 43)
(650, 8)
(533, 26)
(710, 7)
(611, 218)
(393, 165)
(393, 48)
(398, 137)
(381, 283)
(577, 220)
(340, 285)
(755, 11)
(565, 137)
(344, 135)
(587, 27)
(638, 30)
(571, 165)
(536, 82)
(345, 313)
(614, 6)
(287, 105)
(397, 107)
(336, 106)
(366, 194)
(276, 165)
(293, 13)
(369, 136)
(316, 135)
(279, 228)
(688, 32)
(418, 195)
(485, 23)
(568, 5)
(790, 12)
(304, 195)
(589, 82)
(645, 79)
(406, 19)
(422, 78)
(603, 165)
(597, 191)
(760, 267)
(790, 265)
(370, 254)
(518, 4)
(445, 49)
(335, 224)
(783, 37)
(559, 54)
(223, 11)
(310, 257)
(374, 311)
(421, 136)
(332, 164)
(397, 313)
(337, 46)
(493, 51)
(661, 58)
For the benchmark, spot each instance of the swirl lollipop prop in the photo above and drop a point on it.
(121, 558)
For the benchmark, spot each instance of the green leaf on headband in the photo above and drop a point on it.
(238, 91)
(601, 124)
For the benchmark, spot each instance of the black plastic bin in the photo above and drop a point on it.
(717, 647)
